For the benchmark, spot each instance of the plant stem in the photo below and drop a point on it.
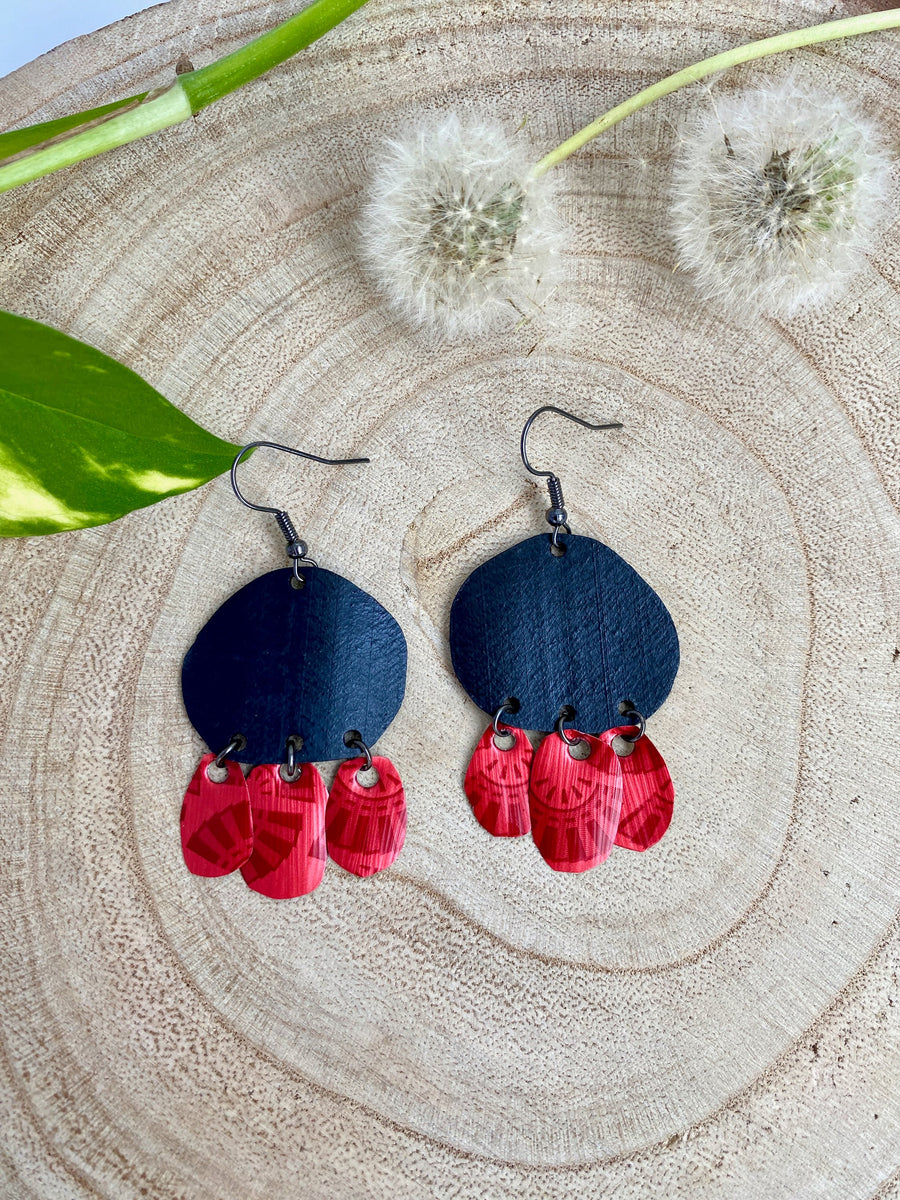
(847, 27)
(149, 116)
(187, 95)
(16, 141)
(219, 78)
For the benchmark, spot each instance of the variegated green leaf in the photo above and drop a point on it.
(83, 439)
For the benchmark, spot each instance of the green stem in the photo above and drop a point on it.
(219, 78)
(191, 92)
(16, 141)
(866, 23)
(149, 116)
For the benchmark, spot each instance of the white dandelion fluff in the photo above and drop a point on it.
(458, 233)
(776, 198)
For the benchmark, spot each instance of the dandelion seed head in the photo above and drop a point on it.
(457, 228)
(777, 195)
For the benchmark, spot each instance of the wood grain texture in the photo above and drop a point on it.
(717, 1018)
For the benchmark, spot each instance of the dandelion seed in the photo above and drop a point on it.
(456, 225)
(776, 199)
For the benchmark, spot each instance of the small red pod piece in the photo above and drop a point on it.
(497, 784)
(288, 856)
(648, 794)
(574, 802)
(365, 827)
(216, 825)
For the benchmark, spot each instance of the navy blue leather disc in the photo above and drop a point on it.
(583, 629)
(276, 661)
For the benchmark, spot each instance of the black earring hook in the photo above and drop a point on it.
(296, 547)
(329, 462)
(556, 513)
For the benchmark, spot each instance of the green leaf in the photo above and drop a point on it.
(83, 439)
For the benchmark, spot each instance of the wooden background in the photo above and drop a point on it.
(717, 1018)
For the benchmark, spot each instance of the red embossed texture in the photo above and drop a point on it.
(216, 825)
(575, 803)
(365, 827)
(648, 794)
(288, 856)
(497, 785)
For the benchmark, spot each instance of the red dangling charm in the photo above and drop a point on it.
(497, 781)
(288, 856)
(216, 824)
(648, 794)
(575, 802)
(365, 827)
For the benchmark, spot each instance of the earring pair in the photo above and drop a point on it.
(302, 666)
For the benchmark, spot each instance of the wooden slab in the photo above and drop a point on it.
(716, 1018)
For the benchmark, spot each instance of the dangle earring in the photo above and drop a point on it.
(299, 666)
(558, 629)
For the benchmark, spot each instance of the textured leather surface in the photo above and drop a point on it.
(275, 661)
(583, 629)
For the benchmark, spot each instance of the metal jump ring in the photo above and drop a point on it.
(566, 714)
(238, 742)
(554, 537)
(292, 769)
(505, 731)
(365, 749)
(640, 721)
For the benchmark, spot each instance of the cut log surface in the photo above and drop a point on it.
(716, 1019)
